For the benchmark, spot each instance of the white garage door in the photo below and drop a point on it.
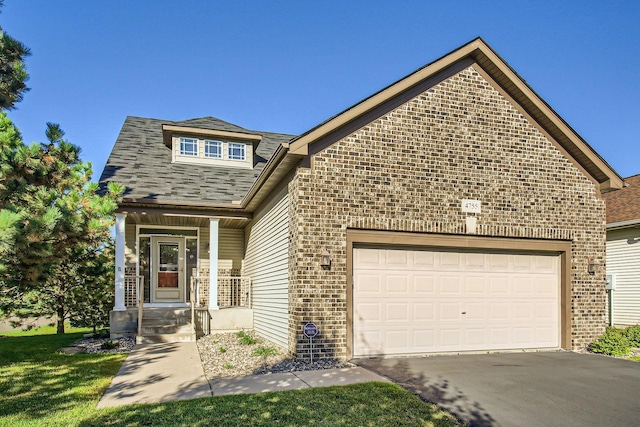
(414, 301)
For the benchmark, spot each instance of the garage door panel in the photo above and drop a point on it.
(396, 258)
(498, 262)
(408, 301)
(424, 311)
(396, 283)
(476, 311)
(424, 285)
(397, 312)
(368, 257)
(475, 337)
(369, 312)
(474, 261)
(450, 260)
(499, 286)
(522, 286)
(475, 285)
(450, 285)
(522, 335)
(449, 311)
(450, 337)
(423, 260)
(545, 287)
(368, 282)
(499, 311)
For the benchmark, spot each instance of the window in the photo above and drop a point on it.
(236, 151)
(210, 151)
(188, 147)
(213, 149)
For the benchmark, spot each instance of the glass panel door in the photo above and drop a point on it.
(168, 264)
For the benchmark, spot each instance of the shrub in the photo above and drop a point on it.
(110, 345)
(265, 352)
(633, 335)
(613, 343)
(246, 339)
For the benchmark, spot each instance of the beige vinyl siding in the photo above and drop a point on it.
(203, 250)
(623, 260)
(267, 264)
(130, 244)
(230, 248)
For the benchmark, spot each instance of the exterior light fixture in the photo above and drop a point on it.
(591, 268)
(325, 260)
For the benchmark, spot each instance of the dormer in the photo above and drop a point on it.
(210, 147)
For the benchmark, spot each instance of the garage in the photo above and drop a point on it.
(410, 301)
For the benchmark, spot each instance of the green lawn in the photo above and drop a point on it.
(39, 386)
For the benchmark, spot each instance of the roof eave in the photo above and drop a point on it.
(624, 224)
(169, 130)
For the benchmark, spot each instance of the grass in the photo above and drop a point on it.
(40, 386)
(635, 358)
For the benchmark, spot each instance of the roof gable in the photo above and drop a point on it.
(496, 70)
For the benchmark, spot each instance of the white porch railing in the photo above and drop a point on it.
(133, 288)
(233, 291)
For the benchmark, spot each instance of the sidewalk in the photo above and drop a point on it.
(155, 373)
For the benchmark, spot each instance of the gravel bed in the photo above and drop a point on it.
(94, 345)
(223, 355)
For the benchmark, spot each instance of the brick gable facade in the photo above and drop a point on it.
(408, 171)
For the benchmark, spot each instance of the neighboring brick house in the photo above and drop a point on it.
(452, 211)
(623, 252)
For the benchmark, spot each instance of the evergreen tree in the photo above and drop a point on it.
(13, 72)
(53, 224)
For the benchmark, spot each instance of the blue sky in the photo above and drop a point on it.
(285, 66)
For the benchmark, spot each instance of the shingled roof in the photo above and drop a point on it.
(623, 206)
(142, 163)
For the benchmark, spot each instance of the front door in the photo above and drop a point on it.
(168, 269)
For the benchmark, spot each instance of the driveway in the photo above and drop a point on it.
(523, 389)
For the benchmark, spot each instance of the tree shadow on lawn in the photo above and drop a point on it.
(436, 391)
(358, 404)
(37, 380)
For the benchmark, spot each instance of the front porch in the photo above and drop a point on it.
(179, 277)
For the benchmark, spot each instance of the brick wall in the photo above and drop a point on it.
(408, 171)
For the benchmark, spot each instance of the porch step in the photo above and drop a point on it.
(160, 325)
(165, 338)
(166, 313)
(156, 329)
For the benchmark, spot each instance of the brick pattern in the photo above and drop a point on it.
(409, 170)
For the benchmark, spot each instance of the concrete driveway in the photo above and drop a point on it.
(523, 389)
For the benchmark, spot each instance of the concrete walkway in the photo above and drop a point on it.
(154, 373)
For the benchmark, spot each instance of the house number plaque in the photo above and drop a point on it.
(471, 206)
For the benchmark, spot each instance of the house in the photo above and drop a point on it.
(623, 253)
(451, 211)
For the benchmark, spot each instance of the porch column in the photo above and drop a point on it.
(213, 264)
(119, 303)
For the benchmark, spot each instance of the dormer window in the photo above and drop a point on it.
(237, 151)
(189, 147)
(213, 149)
(210, 147)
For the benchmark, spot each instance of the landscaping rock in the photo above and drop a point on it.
(224, 356)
